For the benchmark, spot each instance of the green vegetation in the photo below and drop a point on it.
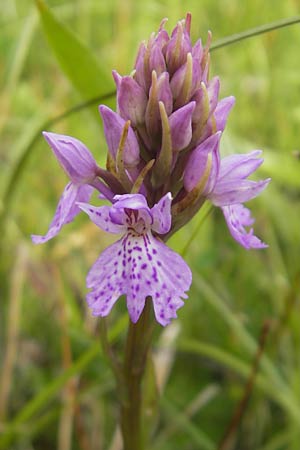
(56, 388)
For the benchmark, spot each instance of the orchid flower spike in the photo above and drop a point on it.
(163, 164)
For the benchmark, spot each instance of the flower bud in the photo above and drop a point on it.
(159, 92)
(181, 126)
(197, 162)
(113, 128)
(178, 47)
(131, 99)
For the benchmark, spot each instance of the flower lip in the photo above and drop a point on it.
(139, 264)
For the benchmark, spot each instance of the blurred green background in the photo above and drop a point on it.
(56, 390)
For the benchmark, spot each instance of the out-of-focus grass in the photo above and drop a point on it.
(234, 291)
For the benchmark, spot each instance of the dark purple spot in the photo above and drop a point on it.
(144, 266)
(154, 251)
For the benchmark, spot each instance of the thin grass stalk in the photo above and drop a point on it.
(12, 333)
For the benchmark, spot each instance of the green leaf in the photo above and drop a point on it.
(73, 56)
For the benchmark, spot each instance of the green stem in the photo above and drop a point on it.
(136, 349)
(266, 28)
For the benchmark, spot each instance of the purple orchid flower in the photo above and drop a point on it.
(138, 265)
(80, 166)
(228, 187)
(232, 188)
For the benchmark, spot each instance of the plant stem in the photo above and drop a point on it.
(136, 349)
(266, 28)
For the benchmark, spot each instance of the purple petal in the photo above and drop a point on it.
(142, 75)
(238, 217)
(197, 50)
(74, 157)
(181, 126)
(222, 111)
(164, 93)
(199, 111)
(162, 37)
(113, 127)
(237, 190)
(197, 162)
(100, 215)
(131, 201)
(139, 266)
(161, 213)
(240, 166)
(104, 280)
(132, 101)
(66, 210)
(157, 60)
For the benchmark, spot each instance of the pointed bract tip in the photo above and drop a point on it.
(117, 78)
(188, 21)
(162, 24)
